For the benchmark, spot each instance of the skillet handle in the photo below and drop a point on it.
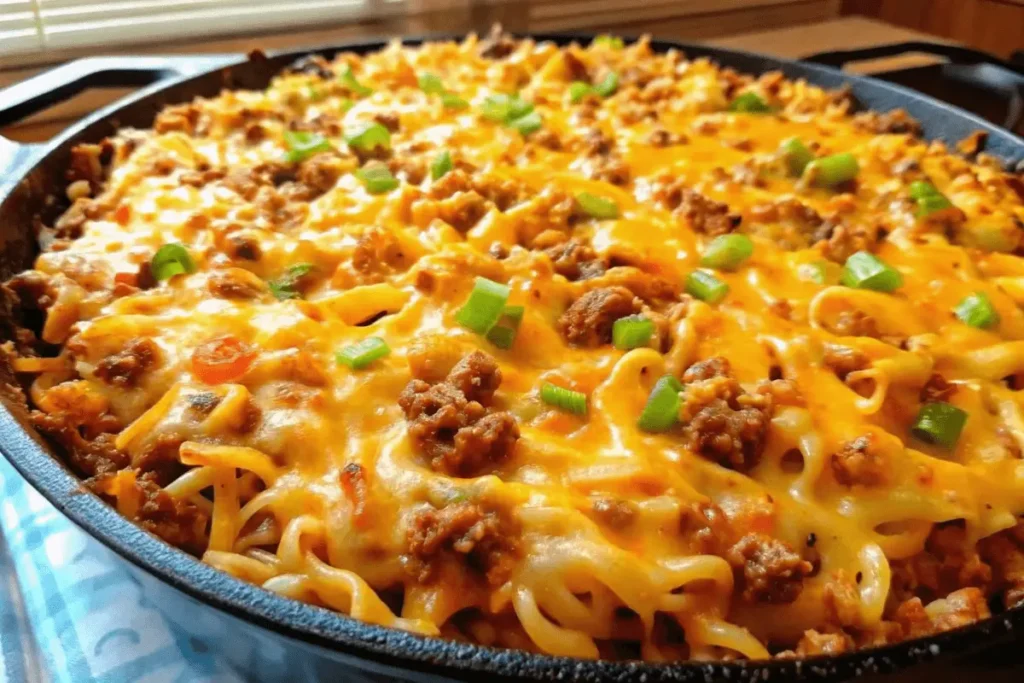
(972, 67)
(64, 82)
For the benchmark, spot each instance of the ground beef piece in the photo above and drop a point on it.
(937, 389)
(705, 215)
(575, 261)
(319, 174)
(453, 429)
(859, 462)
(498, 44)
(1004, 552)
(244, 247)
(843, 360)
(662, 137)
(389, 120)
(815, 643)
(377, 253)
(617, 514)
(609, 169)
(313, 65)
(176, 521)
(124, 369)
(463, 211)
(477, 376)
(767, 570)
(589, 320)
(723, 422)
(87, 457)
(484, 538)
(235, 283)
(894, 121)
(32, 290)
(839, 241)
(949, 561)
(707, 528)
(199, 179)
(959, 608)
(596, 143)
(181, 118)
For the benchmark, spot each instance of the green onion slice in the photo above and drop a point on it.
(727, 252)
(597, 207)
(284, 286)
(931, 204)
(453, 101)
(864, 270)
(940, 423)
(564, 399)
(504, 332)
(632, 332)
(797, 156)
(977, 310)
(304, 144)
(369, 137)
(832, 170)
(528, 123)
(706, 287)
(749, 103)
(170, 260)
(578, 90)
(377, 179)
(348, 79)
(608, 85)
(441, 165)
(361, 354)
(484, 307)
(612, 42)
(662, 409)
(431, 84)
(505, 108)
(919, 189)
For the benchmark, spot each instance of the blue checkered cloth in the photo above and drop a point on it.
(69, 612)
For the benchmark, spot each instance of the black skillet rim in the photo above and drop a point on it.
(391, 647)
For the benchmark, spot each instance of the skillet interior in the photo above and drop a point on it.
(42, 180)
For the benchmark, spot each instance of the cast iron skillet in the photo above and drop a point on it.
(268, 637)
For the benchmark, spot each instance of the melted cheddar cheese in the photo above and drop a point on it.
(791, 507)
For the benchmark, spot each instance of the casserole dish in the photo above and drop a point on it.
(249, 75)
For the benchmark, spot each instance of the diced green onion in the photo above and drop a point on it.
(932, 203)
(369, 137)
(528, 123)
(578, 90)
(505, 108)
(977, 310)
(170, 260)
(749, 103)
(361, 354)
(632, 332)
(605, 40)
(814, 272)
(284, 286)
(431, 84)
(727, 252)
(832, 170)
(919, 189)
(453, 101)
(706, 287)
(441, 165)
(303, 144)
(564, 399)
(504, 332)
(348, 79)
(597, 207)
(864, 270)
(377, 179)
(940, 423)
(797, 156)
(608, 85)
(484, 307)
(662, 409)
(313, 93)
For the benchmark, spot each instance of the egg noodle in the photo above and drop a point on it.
(282, 330)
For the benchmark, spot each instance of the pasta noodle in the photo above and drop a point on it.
(571, 349)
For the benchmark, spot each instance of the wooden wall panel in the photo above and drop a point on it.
(996, 26)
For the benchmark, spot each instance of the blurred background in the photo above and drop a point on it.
(36, 34)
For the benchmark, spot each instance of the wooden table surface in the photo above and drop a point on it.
(795, 42)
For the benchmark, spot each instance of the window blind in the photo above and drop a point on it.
(28, 26)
